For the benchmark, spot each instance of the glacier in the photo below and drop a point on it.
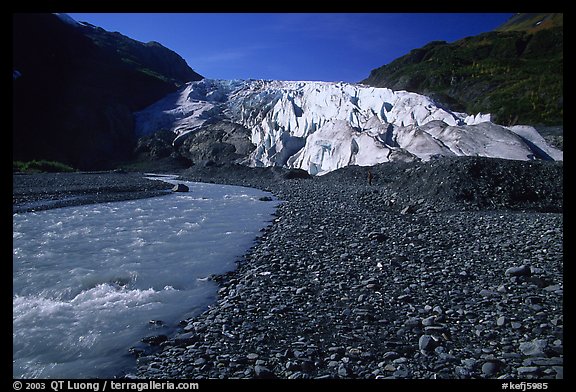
(322, 126)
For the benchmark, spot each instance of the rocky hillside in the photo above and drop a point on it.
(76, 87)
(515, 72)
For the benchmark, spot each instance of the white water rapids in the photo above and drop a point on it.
(88, 279)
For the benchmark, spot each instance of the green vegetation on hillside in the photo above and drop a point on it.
(516, 75)
(151, 59)
(532, 22)
(41, 166)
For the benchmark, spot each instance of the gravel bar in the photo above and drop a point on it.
(440, 270)
(41, 191)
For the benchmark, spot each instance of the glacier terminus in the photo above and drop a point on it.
(322, 126)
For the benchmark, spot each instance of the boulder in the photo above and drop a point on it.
(263, 372)
(427, 343)
(155, 340)
(522, 270)
(180, 188)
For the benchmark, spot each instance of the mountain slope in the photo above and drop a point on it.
(532, 22)
(515, 73)
(76, 86)
(322, 126)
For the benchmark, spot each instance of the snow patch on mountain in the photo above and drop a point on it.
(322, 126)
(67, 19)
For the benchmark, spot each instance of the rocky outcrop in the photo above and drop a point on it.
(217, 144)
(155, 146)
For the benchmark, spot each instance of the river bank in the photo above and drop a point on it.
(431, 272)
(40, 191)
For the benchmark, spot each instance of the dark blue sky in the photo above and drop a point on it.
(293, 46)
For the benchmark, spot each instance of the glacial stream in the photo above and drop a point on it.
(88, 280)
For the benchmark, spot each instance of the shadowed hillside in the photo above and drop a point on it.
(76, 86)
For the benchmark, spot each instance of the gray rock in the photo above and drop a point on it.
(528, 370)
(400, 360)
(488, 293)
(462, 372)
(200, 361)
(554, 287)
(379, 237)
(155, 340)
(413, 322)
(426, 343)
(469, 362)
(438, 309)
(490, 368)
(402, 372)
(539, 361)
(297, 174)
(263, 372)
(343, 371)
(408, 210)
(522, 270)
(404, 298)
(559, 372)
(157, 323)
(215, 144)
(184, 339)
(180, 188)
(534, 348)
(390, 355)
(389, 368)
(429, 321)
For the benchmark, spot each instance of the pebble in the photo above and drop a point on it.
(527, 370)
(559, 372)
(516, 325)
(488, 293)
(426, 343)
(522, 270)
(390, 355)
(263, 372)
(390, 368)
(489, 369)
(534, 348)
(343, 371)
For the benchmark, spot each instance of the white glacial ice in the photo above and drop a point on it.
(322, 126)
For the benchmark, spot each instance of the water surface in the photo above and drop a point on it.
(88, 279)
